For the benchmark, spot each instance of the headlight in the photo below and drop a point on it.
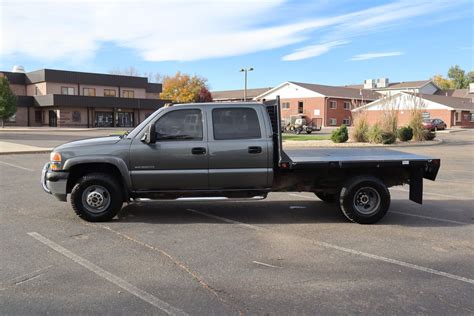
(55, 159)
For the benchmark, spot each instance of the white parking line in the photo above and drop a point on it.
(265, 264)
(346, 250)
(15, 166)
(401, 213)
(147, 297)
(431, 218)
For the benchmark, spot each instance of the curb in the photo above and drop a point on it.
(40, 151)
(296, 143)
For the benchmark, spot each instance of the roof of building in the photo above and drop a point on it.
(76, 77)
(339, 92)
(458, 93)
(396, 85)
(237, 94)
(452, 102)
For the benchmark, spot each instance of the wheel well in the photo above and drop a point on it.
(77, 171)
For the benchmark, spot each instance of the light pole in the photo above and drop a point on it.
(245, 70)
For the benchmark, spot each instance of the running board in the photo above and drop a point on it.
(196, 199)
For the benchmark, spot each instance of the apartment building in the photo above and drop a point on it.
(59, 98)
(331, 104)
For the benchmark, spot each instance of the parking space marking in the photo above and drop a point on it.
(265, 264)
(431, 218)
(401, 213)
(346, 250)
(145, 296)
(16, 166)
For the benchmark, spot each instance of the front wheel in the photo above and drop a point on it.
(97, 197)
(364, 199)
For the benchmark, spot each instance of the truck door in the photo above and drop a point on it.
(239, 148)
(179, 158)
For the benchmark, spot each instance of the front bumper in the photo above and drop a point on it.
(54, 182)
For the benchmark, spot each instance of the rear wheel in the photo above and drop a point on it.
(326, 197)
(364, 200)
(96, 197)
(308, 132)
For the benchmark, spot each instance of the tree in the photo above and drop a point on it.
(183, 88)
(443, 83)
(204, 95)
(132, 71)
(457, 75)
(470, 77)
(7, 101)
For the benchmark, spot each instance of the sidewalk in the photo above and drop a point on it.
(12, 148)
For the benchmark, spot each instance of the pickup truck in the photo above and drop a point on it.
(224, 151)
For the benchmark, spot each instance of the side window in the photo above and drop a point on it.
(179, 125)
(235, 123)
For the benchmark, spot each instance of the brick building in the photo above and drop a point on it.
(59, 98)
(331, 104)
(454, 111)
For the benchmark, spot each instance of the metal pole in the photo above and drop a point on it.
(245, 87)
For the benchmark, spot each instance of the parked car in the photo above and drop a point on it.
(434, 124)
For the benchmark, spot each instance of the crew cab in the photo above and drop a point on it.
(224, 150)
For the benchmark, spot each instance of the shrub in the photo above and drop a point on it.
(416, 124)
(388, 138)
(429, 135)
(340, 135)
(390, 120)
(375, 134)
(405, 133)
(360, 130)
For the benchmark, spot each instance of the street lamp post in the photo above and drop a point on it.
(245, 70)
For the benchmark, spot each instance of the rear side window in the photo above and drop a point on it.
(235, 123)
(180, 125)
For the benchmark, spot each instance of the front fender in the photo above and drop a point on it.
(117, 162)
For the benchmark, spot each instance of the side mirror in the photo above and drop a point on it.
(150, 136)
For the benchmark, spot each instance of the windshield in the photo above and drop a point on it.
(142, 125)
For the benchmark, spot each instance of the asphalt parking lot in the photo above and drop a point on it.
(288, 254)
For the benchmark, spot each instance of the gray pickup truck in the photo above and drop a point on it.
(224, 151)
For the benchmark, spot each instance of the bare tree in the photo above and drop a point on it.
(132, 71)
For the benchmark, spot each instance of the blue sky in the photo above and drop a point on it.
(327, 42)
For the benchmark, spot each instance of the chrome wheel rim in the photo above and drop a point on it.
(96, 198)
(366, 200)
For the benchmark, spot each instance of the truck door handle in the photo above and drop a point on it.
(255, 149)
(198, 151)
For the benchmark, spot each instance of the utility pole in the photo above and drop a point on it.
(245, 70)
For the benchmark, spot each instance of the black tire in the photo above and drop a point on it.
(364, 199)
(308, 132)
(326, 197)
(105, 194)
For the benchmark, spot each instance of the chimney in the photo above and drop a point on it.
(369, 84)
(382, 83)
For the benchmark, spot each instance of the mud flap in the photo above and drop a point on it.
(416, 185)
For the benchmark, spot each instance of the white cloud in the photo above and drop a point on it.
(181, 30)
(368, 56)
(313, 50)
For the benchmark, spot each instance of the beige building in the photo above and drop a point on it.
(59, 98)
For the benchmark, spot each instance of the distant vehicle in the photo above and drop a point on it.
(302, 123)
(434, 124)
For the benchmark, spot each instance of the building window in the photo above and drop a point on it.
(332, 104)
(109, 93)
(346, 122)
(128, 93)
(235, 124)
(285, 105)
(426, 116)
(38, 116)
(67, 90)
(472, 117)
(37, 91)
(76, 116)
(300, 107)
(12, 119)
(90, 92)
(104, 119)
(332, 121)
(347, 105)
